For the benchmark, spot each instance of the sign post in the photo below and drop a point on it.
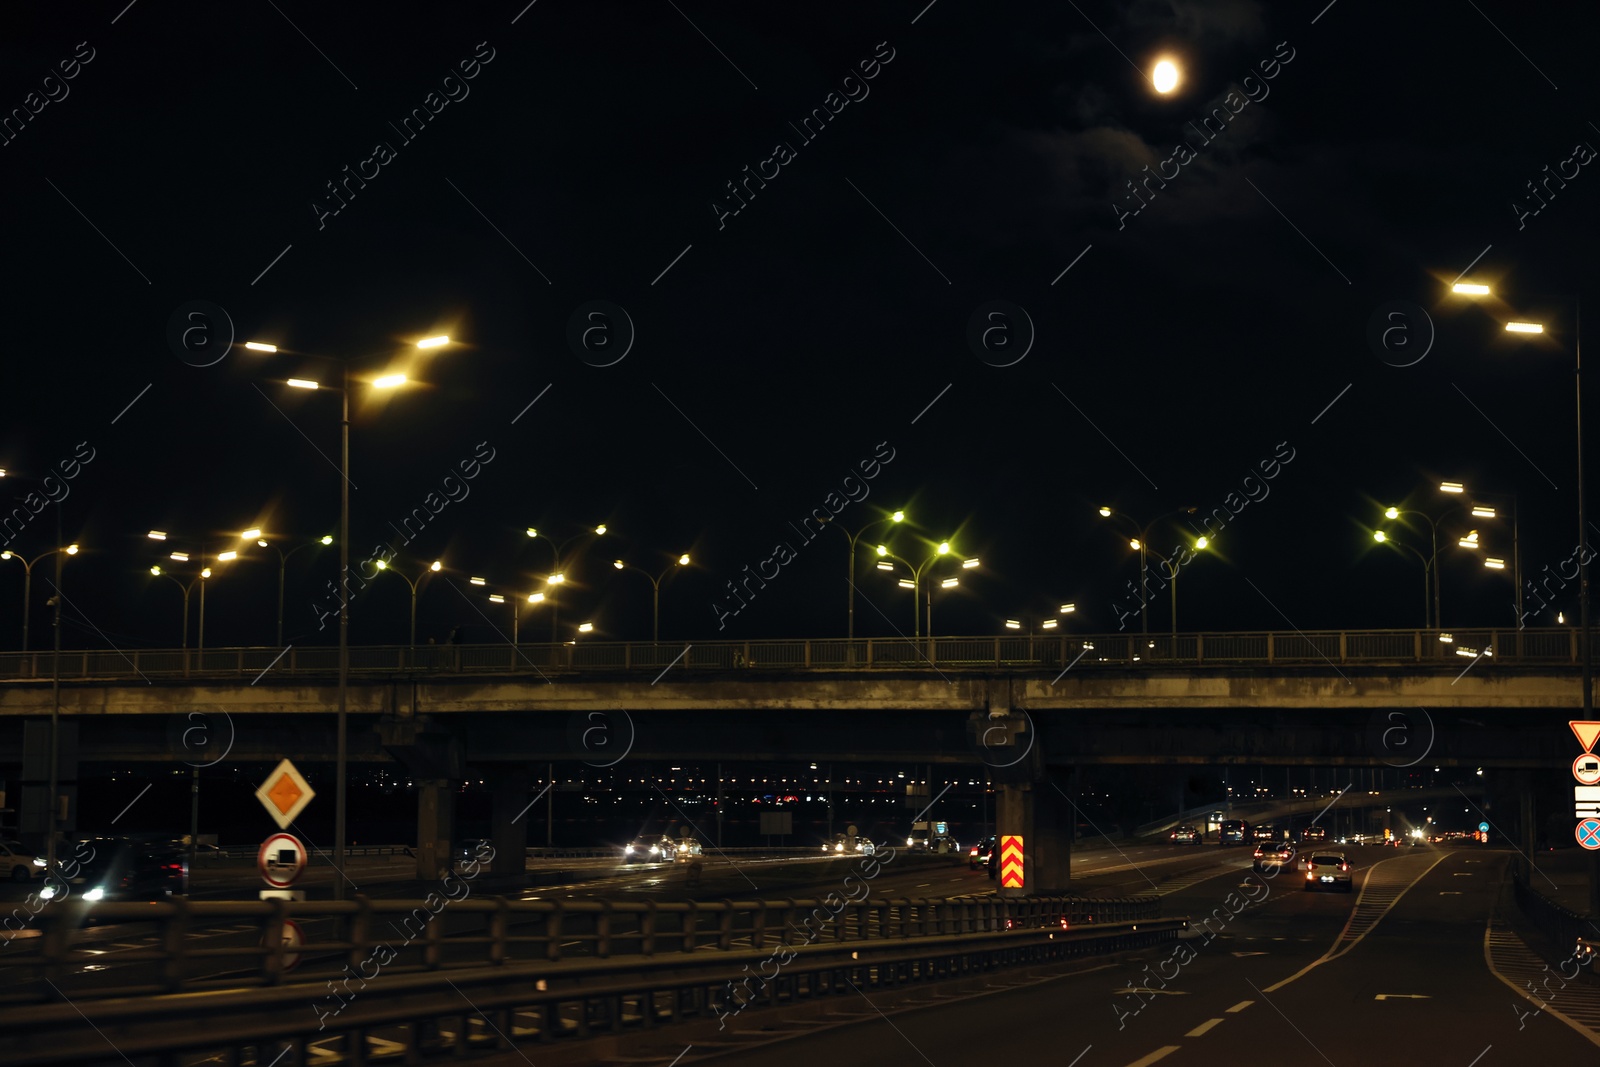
(282, 858)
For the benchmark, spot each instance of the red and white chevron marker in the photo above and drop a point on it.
(1010, 862)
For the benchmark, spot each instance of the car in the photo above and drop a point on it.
(1586, 951)
(944, 845)
(1186, 835)
(1264, 833)
(1314, 834)
(841, 846)
(918, 839)
(18, 863)
(1273, 854)
(131, 869)
(651, 849)
(980, 852)
(1233, 832)
(1328, 870)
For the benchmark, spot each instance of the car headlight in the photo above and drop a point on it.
(38, 861)
(908, 842)
(47, 893)
(839, 847)
(94, 894)
(627, 849)
(654, 849)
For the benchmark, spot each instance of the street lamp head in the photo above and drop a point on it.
(885, 565)
(617, 563)
(436, 566)
(1105, 513)
(949, 583)
(1470, 289)
(557, 578)
(1481, 512)
(1452, 487)
(535, 598)
(683, 560)
(389, 381)
(250, 535)
(1495, 564)
(496, 598)
(1379, 536)
(301, 383)
(327, 539)
(1048, 624)
(1391, 513)
(944, 548)
(968, 564)
(478, 581)
(1524, 327)
(157, 535)
(224, 557)
(178, 557)
(1068, 609)
(381, 564)
(261, 542)
(898, 516)
(206, 573)
(1134, 543)
(600, 531)
(258, 346)
(532, 532)
(883, 550)
(907, 583)
(6, 554)
(1201, 542)
(1165, 77)
(1013, 624)
(153, 570)
(72, 550)
(586, 628)
(433, 342)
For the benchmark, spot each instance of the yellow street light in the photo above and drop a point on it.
(898, 516)
(907, 583)
(1470, 289)
(1391, 513)
(1068, 609)
(1013, 624)
(257, 346)
(478, 581)
(1481, 512)
(557, 578)
(617, 563)
(433, 342)
(1105, 513)
(205, 572)
(885, 565)
(968, 564)
(1524, 327)
(180, 557)
(327, 539)
(155, 570)
(302, 383)
(223, 557)
(535, 598)
(1452, 487)
(944, 548)
(1495, 564)
(382, 564)
(683, 560)
(1379, 536)
(250, 535)
(949, 583)
(1470, 541)
(436, 566)
(1134, 543)
(157, 535)
(389, 381)
(1048, 624)
(587, 627)
(1202, 542)
(601, 529)
(72, 550)
(496, 598)
(261, 542)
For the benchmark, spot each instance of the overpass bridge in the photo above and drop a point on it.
(1028, 708)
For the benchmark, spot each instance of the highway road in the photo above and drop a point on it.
(1412, 968)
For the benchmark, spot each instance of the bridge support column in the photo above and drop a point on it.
(436, 810)
(1041, 813)
(509, 823)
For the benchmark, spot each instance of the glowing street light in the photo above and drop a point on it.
(416, 585)
(655, 584)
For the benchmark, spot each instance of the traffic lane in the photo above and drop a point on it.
(1440, 999)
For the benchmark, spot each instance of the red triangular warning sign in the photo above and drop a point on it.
(1586, 733)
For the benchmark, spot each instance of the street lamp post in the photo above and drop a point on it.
(1384, 539)
(1430, 565)
(185, 590)
(850, 628)
(557, 574)
(914, 583)
(1200, 544)
(27, 580)
(433, 568)
(342, 747)
(283, 565)
(655, 582)
(1140, 541)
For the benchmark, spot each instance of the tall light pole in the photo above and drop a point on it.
(1140, 542)
(558, 574)
(283, 564)
(850, 627)
(1431, 564)
(1384, 539)
(1524, 327)
(655, 582)
(914, 583)
(433, 568)
(27, 580)
(1199, 544)
(186, 590)
(387, 381)
(516, 610)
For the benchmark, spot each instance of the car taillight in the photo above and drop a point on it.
(1344, 866)
(974, 852)
(1311, 874)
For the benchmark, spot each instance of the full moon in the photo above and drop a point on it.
(1166, 77)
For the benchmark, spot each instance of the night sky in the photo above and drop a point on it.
(899, 168)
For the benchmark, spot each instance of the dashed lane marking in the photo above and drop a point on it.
(1200, 1030)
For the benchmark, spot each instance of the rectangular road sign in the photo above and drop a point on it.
(1011, 861)
(1586, 792)
(1588, 810)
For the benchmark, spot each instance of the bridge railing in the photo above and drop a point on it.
(1551, 646)
(378, 1016)
(194, 946)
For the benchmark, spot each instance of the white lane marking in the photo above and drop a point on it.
(1200, 1030)
(1367, 921)
(1504, 951)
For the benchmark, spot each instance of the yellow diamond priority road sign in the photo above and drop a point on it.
(284, 794)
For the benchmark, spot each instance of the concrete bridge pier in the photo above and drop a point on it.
(436, 813)
(1041, 813)
(434, 754)
(508, 827)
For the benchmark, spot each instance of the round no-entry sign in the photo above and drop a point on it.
(281, 859)
(1589, 834)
